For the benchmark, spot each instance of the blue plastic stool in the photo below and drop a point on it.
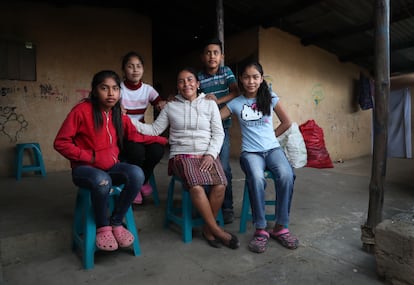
(84, 227)
(38, 165)
(246, 212)
(153, 184)
(183, 215)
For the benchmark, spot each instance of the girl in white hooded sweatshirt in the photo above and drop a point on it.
(195, 137)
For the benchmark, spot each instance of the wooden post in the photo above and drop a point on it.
(220, 23)
(382, 90)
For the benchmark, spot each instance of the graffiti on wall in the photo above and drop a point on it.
(46, 91)
(4, 91)
(269, 80)
(52, 93)
(11, 123)
(318, 93)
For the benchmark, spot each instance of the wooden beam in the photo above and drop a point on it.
(370, 52)
(379, 157)
(220, 21)
(220, 24)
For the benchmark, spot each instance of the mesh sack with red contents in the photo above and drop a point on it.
(318, 156)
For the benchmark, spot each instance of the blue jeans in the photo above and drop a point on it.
(253, 165)
(100, 182)
(225, 161)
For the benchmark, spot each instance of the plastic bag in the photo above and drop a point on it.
(294, 146)
(318, 156)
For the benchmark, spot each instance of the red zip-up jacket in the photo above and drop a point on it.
(78, 141)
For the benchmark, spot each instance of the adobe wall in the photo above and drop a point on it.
(72, 44)
(314, 85)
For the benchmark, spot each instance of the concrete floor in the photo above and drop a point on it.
(328, 208)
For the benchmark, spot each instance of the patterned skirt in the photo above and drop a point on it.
(187, 168)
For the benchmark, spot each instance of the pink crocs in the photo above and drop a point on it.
(146, 190)
(285, 238)
(122, 236)
(105, 239)
(138, 199)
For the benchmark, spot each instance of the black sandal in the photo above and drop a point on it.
(212, 242)
(233, 243)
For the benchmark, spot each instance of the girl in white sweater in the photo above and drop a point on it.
(195, 137)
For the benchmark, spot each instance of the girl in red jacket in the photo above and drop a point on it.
(91, 137)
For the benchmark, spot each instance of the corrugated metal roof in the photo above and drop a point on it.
(344, 28)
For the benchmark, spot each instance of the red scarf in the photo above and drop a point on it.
(130, 85)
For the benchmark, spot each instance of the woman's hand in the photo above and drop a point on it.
(207, 163)
(161, 104)
(211, 96)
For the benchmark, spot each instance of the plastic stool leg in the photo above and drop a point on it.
(169, 212)
(154, 190)
(19, 161)
(89, 233)
(77, 225)
(244, 217)
(187, 216)
(130, 222)
(39, 159)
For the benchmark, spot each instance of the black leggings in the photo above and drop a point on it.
(146, 156)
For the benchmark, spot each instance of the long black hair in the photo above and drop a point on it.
(128, 56)
(98, 78)
(264, 96)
